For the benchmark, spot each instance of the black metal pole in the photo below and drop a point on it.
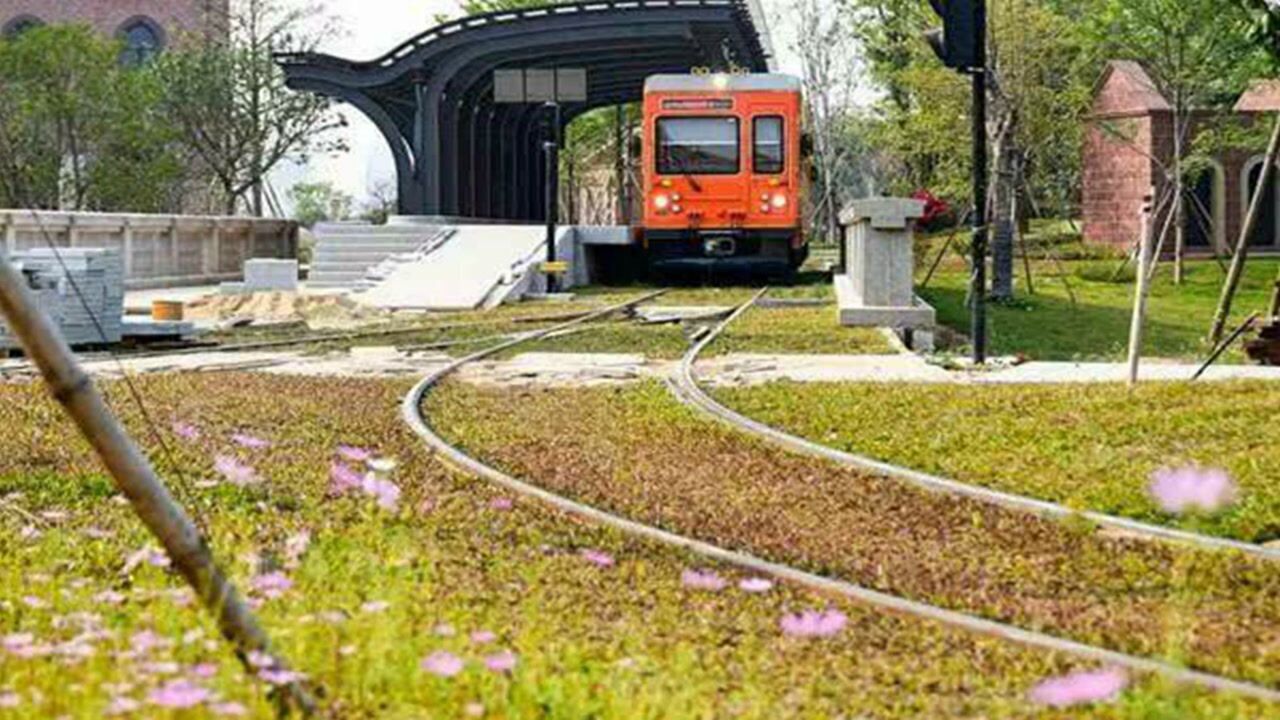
(978, 282)
(551, 147)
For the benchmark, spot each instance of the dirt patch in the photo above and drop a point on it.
(317, 311)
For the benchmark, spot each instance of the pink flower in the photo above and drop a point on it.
(502, 662)
(186, 431)
(295, 546)
(145, 641)
(375, 606)
(178, 694)
(811, 623)
(249, 441)
(342, 478)
(482, 637)
(596, 557)
(445, 630)
(473, 709)
(756, 585)
(442, 664)
(1080, 688)
(258, 659)
(204, 670)
(109, 597)
(122, 705)
(1191, 489)
(501, 503)
(148, 555)
(272, 585)
(385, 492)
(280, 676)
(9, 699)
(229, 709)
(17, 640)
(698, 580)
(353, 453)
(235, 472)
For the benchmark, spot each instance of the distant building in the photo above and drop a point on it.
(1129, 138)
(146, 27)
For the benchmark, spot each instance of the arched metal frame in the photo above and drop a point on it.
(457, 152)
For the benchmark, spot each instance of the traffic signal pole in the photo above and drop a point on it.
(978, 281)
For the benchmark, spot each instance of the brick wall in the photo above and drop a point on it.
(178, 18)
(1117, 176)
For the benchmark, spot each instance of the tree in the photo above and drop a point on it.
(1199, 55)
(319, 202)
(77, 131)
(381, 203)
(830, 76)
(233, 108)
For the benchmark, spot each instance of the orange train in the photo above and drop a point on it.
(722, 174)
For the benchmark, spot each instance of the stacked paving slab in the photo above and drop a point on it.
(346, 252)
(92, 316)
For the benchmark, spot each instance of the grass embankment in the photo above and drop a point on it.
(375, 592)
(637, 451)
(1088, 446)
(1047, 326)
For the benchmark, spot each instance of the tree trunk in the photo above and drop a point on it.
(1004, 191)
(1179, 199)
(1236, 271)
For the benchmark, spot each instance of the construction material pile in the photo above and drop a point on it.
(317, 311)
(80, 289)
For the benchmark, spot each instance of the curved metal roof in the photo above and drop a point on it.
(459, 153)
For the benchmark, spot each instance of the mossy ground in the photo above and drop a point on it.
(622, 642)
(638, 452)
(1089, 446)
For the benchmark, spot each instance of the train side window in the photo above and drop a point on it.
(768, 150)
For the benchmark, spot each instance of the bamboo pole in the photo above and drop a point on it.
(133, 474)
(1236, 272)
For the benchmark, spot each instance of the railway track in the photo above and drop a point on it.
(451, 455)
(686, 389)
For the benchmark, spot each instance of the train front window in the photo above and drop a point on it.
(768, 153)
(697, 146)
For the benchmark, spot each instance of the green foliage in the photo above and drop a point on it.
(319, 202)
(78, 131)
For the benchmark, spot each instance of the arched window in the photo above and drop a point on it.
(143, 40)
(1205, 211)
(19, 25)
(1267, 233)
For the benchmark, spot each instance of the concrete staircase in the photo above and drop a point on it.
(345, 252)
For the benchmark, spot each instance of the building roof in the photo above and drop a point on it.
(1126, 88)
(722, 82)
(1262, 96)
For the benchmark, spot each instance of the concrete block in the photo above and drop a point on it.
(854, 312)
(264, 274)
(883, 212)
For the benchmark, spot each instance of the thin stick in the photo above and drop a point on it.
(1139, 302)
(1236, 272)
(1222, 347)
(133, 474)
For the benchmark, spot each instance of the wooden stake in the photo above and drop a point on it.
(1140, 297)
(133, 474)
(1236, 272)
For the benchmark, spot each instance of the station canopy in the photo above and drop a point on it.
(458, 152)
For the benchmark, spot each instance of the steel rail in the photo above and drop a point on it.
(686, 389)
(450, 455)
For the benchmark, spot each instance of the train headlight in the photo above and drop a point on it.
(779, 201)
(676, 208)
(661, 202)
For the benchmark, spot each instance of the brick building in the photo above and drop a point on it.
(1130, 138)
(146, 27)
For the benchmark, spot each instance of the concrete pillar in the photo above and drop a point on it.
(173, 248)
(877, 288)
(10, 233)
(213, 260)
(126, 248)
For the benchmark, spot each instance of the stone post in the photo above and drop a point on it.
(877, 288)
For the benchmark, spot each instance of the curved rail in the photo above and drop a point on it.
(411, 411)
(686, 388)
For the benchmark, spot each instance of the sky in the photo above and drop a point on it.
(370, 28)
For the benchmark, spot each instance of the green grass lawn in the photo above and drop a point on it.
(1089, 446)
(375, 592)
(1046, 326)
(637, 451)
